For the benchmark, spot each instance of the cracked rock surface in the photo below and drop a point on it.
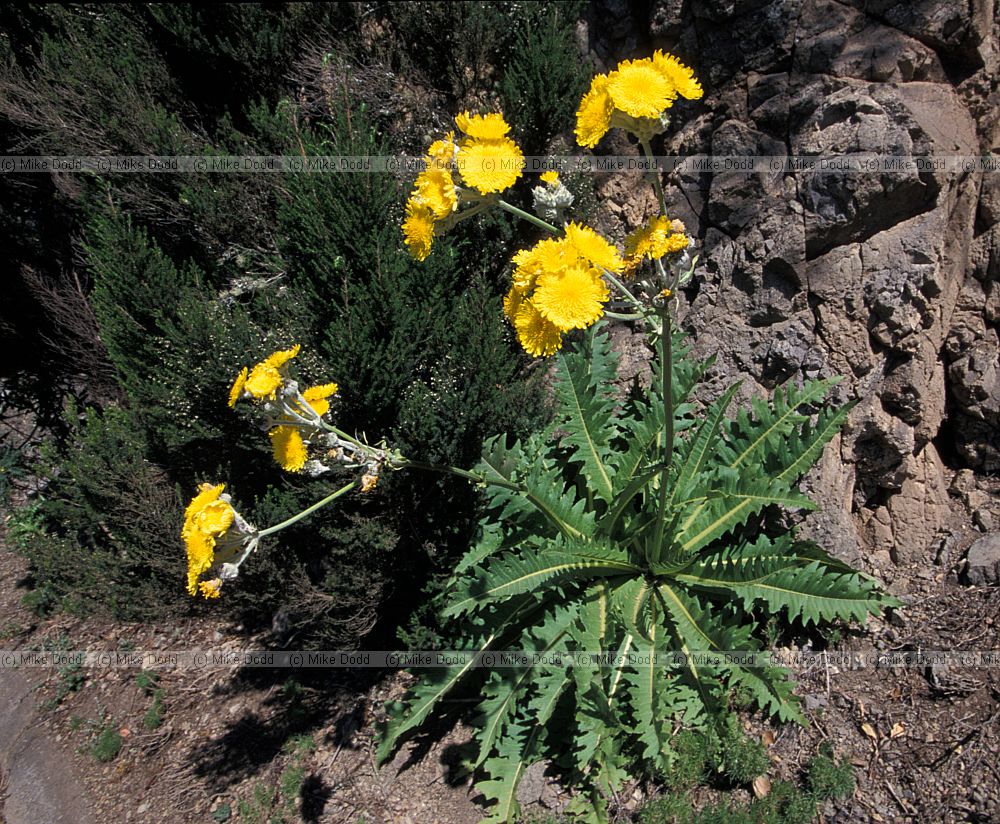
(890, 279)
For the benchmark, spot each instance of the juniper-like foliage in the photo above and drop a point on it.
(599, 537)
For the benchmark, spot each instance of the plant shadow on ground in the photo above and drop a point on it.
(299, 705)
(315, 794)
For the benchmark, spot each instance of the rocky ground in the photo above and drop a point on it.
(924, 742)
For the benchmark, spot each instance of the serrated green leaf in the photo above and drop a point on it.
(532, 571)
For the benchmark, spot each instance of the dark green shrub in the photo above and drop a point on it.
(113, 522)
(246, 48)
(195, 276)
(451, 46)
(545, 76)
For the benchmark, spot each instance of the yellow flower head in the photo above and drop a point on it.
(207, 494)
(590, 245)
(265, 378)
(206, 519)
(237, 389)
(539, 336)
(557, 286)
(435, 189)
(593, 118)
(550, 178)
(483, 126)
(678, 75)
(655, 239)
(318, 397)
(288, 447)
(211, 589)
(418, 229)
(368, 482)
(573, 298)
(512, 302)
(442, 152)
(489, 165)
(547, 255)
(639, 89)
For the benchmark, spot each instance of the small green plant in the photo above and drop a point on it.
(24, 524)
(292, 776)
(829, 779)
(741, 759)
(153, 716)
(148, 681)
(222, 813)
(11, 630)
(107, 744)
(276, 805)
(69, 673)
(786, 803)
(41, 601)
(672, 808)
(259, 806)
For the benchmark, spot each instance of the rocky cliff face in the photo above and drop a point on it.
(890, 279)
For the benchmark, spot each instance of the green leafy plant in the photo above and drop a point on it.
(626, 568)
(786, 803)
(107, 745)
(277, 804)
(148, 682)
(599, 536)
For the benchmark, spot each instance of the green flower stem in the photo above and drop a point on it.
(406, 463)
(620, 316)
(623, 289)
(371, 450)
(308, 511)
(666, 380)
(644, 144)
(457, 217)
(507, 207)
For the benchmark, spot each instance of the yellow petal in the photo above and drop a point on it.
(538, 336)
(593, 118)
(316, 397)
(571, 299)
(237, 389)
(639, 89)
(483, 126)
(490, 165)
(288, 447)
(418, 229)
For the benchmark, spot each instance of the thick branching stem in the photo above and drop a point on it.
(666, 383)
(648, 152)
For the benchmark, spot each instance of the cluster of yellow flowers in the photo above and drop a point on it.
(656, 239)
(634, 96)
(299, 411)
(558, 286)
(213, 534)
(486, 161)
